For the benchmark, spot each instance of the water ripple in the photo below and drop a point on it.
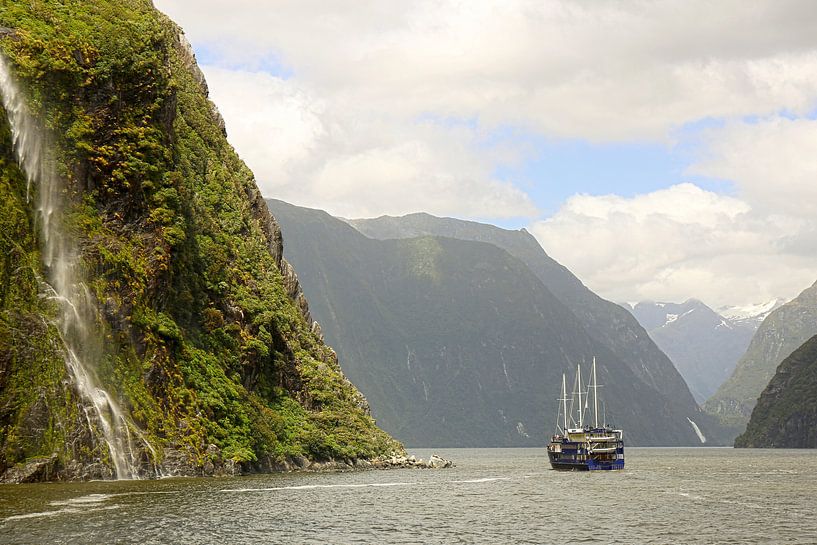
(492, 496)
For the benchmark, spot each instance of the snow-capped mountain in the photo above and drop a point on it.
(755, 313)
(703, 344)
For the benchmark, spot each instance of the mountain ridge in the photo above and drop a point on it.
(336, 246)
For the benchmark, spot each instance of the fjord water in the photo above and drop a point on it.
(679, 495)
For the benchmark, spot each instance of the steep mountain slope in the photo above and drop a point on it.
(783, 331)
(457, 342)
(148, 323)
(607, 322)
(786, 412)
(703, 345)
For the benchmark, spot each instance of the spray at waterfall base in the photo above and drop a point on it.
(578, 446)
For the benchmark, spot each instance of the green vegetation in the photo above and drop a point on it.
(786, 412)
(202, 343)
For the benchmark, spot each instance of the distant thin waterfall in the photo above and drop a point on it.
(78, 312)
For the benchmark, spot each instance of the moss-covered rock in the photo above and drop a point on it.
(207, 338)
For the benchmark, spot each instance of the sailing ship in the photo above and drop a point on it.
(579, 446)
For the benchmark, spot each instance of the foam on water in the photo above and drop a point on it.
(84, 500)
(317, 486)
(483, 480)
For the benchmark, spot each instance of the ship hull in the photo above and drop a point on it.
(587, 466)
(587, 449)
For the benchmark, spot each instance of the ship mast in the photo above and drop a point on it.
(564, 402)
(595, 397)
(579, 383)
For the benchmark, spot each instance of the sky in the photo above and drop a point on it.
(660, 150)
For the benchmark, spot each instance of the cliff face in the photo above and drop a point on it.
(202, 337)
(786, 412)
(783, 331)
(458, 343)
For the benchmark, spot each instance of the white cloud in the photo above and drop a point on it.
(405, 176)
(357, 165)
(675, 243)
(604, 70)
(272, 122)
(340, 129)
(771, 161)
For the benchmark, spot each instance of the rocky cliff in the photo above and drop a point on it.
(786, 412)
(459, 343)
(148, 321)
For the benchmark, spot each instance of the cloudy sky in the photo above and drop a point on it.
(661, 150)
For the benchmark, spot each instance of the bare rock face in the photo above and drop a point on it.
(411, 462)
(294, 290)
(83, 471)
(703, 345)
(32, 471)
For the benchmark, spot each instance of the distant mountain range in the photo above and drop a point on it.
(786, 412)
(704, 345)
(458, 332)
(783, 331)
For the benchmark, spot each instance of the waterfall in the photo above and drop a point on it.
(698, 431)
(78, 311)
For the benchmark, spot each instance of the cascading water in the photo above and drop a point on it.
(60, 257)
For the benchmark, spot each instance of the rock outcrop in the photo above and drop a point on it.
(411, 462)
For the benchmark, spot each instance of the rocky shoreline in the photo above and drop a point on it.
(303, 464)
(176, 463)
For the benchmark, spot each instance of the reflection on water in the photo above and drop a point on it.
(492, 496)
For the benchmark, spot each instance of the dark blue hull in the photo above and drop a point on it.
(589, 465)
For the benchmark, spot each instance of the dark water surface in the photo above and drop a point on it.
(492, 496)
